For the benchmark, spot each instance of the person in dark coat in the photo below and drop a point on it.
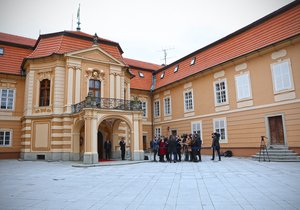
(122, 147)
(178, 147)
(216, 145)
(172, 148)
(154, 147)
(195, 148)
(162, 150)
(107, 148)
(199, 145)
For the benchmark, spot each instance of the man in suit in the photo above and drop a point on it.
(122, 147)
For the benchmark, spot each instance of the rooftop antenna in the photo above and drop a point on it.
(166, 54)
(78, 19)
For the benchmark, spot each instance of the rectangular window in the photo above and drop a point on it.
(167, 106)
(144, 108)
(282, 76)
(243, 87)
(220, 92)
(5, 138)
(7, 99)
(157, 132)
(156, 109)
(188, 101)
(221, 128)
(1, 51)
(197, 128)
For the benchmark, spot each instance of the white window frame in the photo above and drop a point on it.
(141, 74)
(290, 77)
(145, 113)
(224, 138)
(156, 133)
(1, 51)
(200, 128)
(240, 89)
(176, 68)
(170, 106)
(10, 139)
(226, 92)
(154, 108)
(193, 61)
(184, 100)
(14, 98)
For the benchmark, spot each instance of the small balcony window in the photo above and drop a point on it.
(193, 61)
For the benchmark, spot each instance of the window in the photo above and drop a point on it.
(282, 76)
(220, 127)
(95, 87)
(188, 101)
(162, 75)
(157, 132)
(220, 92)
(176, 68)
(1, 51)
(193, 61)
(144, 108)
(196, 128)
(167, 106)
(45, 92)
(5, 138)
(141, 74)
(156, 109)
(243, 88)
(7, 99)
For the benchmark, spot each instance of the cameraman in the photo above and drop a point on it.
(215, 145)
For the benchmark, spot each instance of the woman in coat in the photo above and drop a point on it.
(162, 150)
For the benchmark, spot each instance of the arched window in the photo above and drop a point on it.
(45, 92)
(95, 87)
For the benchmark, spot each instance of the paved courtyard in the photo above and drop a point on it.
(233, 183)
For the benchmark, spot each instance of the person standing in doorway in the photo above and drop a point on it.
(122, 147)
(216, 145)
(107, 148)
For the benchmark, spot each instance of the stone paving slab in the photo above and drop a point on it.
(233, 183)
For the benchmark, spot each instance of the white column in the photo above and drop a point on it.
(94, 136)
(70, 89)
(118, 86)
(59, 87)
(29, 93)
(77, 85)
(112, 85)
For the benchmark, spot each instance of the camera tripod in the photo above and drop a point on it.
(263, 149)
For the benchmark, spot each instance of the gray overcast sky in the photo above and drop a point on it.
(142, 27)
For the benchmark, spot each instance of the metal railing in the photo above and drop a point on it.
(107, 103)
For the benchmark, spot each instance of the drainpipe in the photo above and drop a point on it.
(151, 98)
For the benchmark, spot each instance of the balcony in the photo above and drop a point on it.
(107, 103)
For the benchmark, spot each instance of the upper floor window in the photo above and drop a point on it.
(45, 92)
(156, 109)
(176, 68)
(193, 61)
(7, 99)
(243, 87)
(167, 106)
(221, 128)
(282, 76)
(141, 74)
(188, 101)
(1, 50)
(220, 92)
(5, 138)
(144, 108)
(95, 87)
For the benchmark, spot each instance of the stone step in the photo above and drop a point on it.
(279, 147)
(278, 153)
(277, 159)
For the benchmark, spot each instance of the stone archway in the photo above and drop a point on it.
(78, 140)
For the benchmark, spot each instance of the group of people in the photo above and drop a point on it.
(171, 149)
(108, 146)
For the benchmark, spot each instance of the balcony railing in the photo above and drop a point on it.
(107, 103)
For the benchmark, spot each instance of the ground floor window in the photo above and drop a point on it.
(5, 137)
(157, 132)
(221, 128)
(196, 128)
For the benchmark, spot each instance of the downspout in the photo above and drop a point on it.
(151, 98)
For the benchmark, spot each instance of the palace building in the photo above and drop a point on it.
(65, 93)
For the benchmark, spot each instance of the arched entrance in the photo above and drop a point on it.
(100, 145)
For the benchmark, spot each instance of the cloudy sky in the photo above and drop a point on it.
(143, 28)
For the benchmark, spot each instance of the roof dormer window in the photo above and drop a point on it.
(193, 61)
(1, 51)
(176, 68)
(162, 75)
(141, 74)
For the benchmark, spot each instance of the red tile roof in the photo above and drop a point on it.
(9, 38)
(68, 41)
(141, 64)
(277, 26)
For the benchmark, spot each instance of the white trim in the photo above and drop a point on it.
(170, 108)
(225, 128)
(185, 108)
(290, 76)
(154, 114)
(10, 131)
(226, 92)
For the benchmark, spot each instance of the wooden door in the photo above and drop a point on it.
(276, 130)
(144, 142)
(100, 146)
